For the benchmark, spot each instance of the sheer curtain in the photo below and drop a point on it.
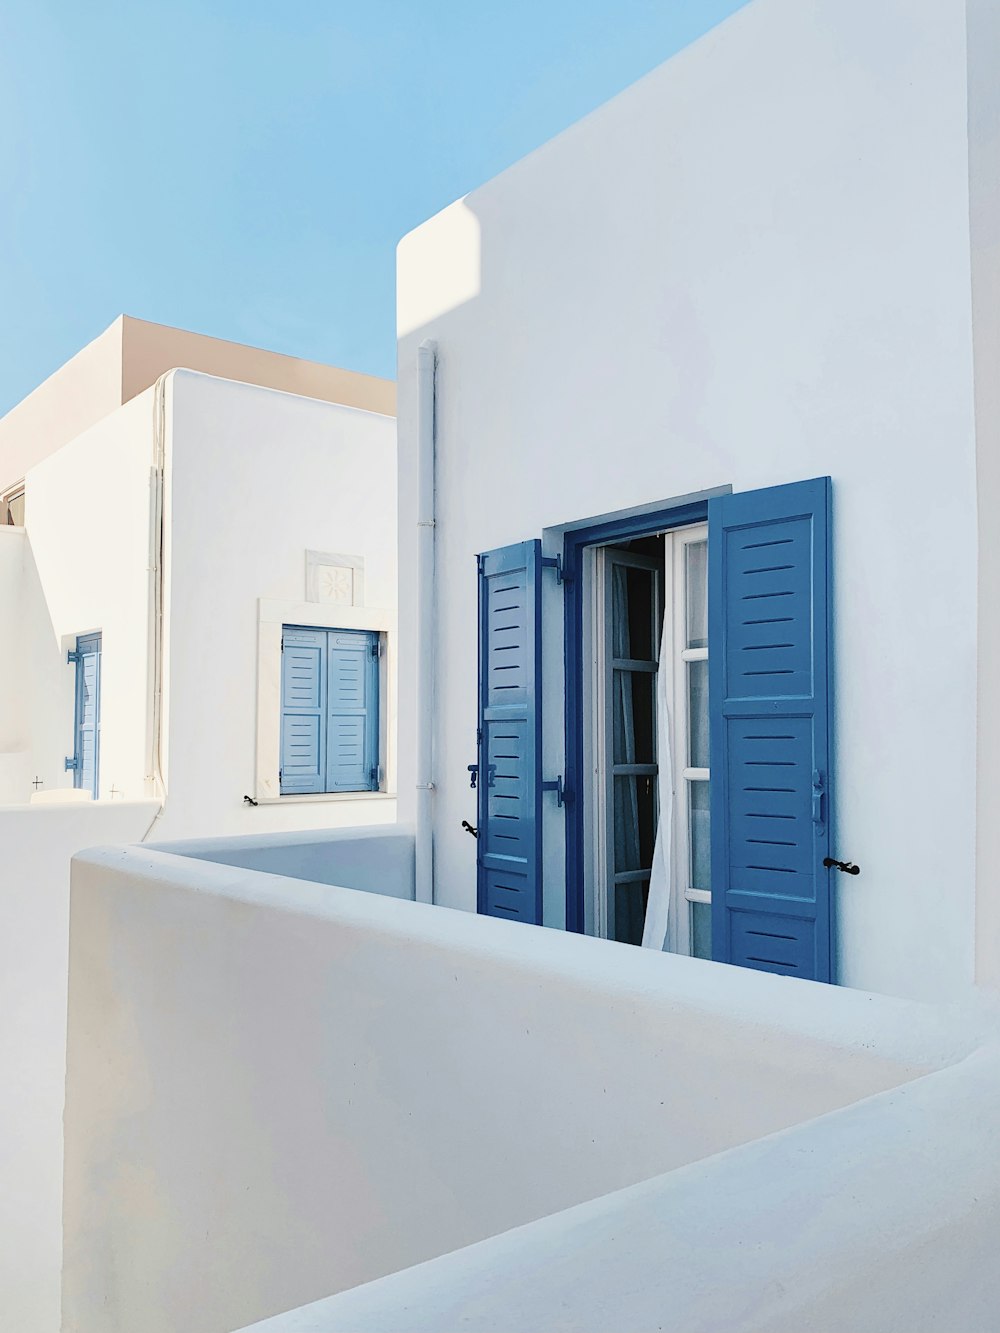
(660, 928)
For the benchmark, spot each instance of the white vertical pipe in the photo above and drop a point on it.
(426, 370)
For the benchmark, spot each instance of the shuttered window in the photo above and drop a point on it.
(509, 774)
(86, 758)
(330, 685)
(769, 631)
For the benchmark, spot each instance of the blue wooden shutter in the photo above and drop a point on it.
(769, 686)
(510, 736)
(87, 739)
(352, 730)
(303, 710)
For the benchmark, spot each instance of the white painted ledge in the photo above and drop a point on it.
(880, 1217)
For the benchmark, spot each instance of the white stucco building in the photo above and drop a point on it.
(173, 536)
(772, 260)
(197, 595)
(726, 344)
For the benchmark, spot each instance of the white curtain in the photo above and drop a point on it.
(660, 924)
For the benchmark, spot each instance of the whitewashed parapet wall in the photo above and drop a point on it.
(36, 843)
(347, 1084)
(752, 267)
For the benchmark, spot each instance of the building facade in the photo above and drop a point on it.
(748, 294)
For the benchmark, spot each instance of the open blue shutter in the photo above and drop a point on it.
(352, 711)
(510, 736)
(303, 710)
(87, 744)
(769, 685)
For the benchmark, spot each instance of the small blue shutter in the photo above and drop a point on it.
(509, 846)
(87, 737)
(352, 731)
(769, 575)
(303, 710)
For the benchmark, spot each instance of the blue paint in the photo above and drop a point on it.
(509, 846)
(769, 633)
(612, 530)
(329, 710)
(86, 761)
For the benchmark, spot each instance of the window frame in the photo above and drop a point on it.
(272, 614)
(676, 608)
(371, 651)
(7, 498)
(578, 541)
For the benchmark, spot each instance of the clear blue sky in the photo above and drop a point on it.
(245, 168)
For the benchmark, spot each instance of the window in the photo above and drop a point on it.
(85, 761)
(330, 687)
(12, 507)
(686, 555)
(743, 722)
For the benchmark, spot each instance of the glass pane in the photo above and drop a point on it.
(630, 911)
(697, 714)
(635, 823)
(701, 930)
(632, 700)
(633, 612)
(697, 594)
(698, 829)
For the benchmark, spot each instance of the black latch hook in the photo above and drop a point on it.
(848, 867)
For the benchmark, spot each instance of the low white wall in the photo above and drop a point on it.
(36, 844)
(255, 479)
(278, 1090)
(379, 861)
(879, 1218)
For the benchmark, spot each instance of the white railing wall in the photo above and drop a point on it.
(278, 1090)
(36, 844)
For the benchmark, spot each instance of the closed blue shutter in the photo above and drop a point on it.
(352, 733)
(510, 717)
(87, 740)
(303, 710)
(769, 636)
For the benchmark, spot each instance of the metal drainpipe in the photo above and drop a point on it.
(424, 852)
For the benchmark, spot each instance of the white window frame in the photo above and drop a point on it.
(675, 612)
(271, 616)
(7, 498)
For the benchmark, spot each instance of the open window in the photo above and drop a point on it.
(12, 507)
(697, 787)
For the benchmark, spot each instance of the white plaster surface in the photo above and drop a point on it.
(36, 844)
(376, 860)
(86, 563)
(255, 479)
(878, 1218)
(752, 267)
(278, 1090)
(14, 759)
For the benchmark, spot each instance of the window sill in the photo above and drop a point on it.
(322, 798)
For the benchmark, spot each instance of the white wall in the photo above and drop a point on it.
(277, 1090)
(984, 204)
(36, 844)
(819, 1227)
(750, 268)
(256, 478)
(14, 759)
(87, 519)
